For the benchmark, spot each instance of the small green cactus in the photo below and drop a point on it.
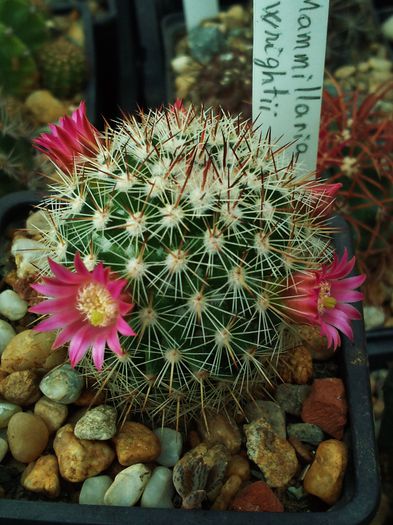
(26, 21)
(207, 224)
(19, 72)
(63, 67)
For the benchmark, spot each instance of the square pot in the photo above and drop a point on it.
(361, 487)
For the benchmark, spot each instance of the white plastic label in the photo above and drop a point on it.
(197, 10)
(288, 65)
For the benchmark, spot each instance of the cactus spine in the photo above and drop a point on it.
(208, 223)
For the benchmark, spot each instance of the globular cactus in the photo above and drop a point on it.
(22, 30)
(26, 21)
(208, 224)
(356, 150)
(63, 67)
(19, 72)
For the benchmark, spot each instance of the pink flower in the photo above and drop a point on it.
(178, 106)
(72, 137)
(321, 298)
(88, 307)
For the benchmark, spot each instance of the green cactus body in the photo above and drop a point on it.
(26, 22)
(207, 224)
(18, 69)
(63, 67)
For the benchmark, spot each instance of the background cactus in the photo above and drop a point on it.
(63, 67)
(19, 72)
(26, 21)
(356, 149)
(17, 158)
(208, 225)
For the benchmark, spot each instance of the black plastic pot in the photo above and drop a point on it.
(173, 28)
(91, 87)
(361, 493)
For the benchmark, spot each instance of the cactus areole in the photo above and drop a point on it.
(212, 231)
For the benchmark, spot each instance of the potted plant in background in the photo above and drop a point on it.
(48, 64)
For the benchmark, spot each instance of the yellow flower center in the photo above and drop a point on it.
(97, 304)
(325, 300)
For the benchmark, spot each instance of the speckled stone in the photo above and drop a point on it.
(63, 384)
(98, 423)
(274, 456)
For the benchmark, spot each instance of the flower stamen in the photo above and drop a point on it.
(96, 303)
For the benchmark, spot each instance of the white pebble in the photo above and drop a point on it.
(3, 448)
(7, 410)
(181, 63)
(6, 334)
(128, 486)
(12, 306)
(159, 490)
(387, 28)
(374, 317)
(29, 256)
(93, 490)
(63, 384)
(171, 446)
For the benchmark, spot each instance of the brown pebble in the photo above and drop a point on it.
(193, 439)
(303, 451)
(21, 388)
(227, 493)
(31, 350)
(239, 466)
(257, 497)
(52, 413)
(324, 478)
(136, 443)
(220, 428)
(326, 406)
(42, 476)
(80, 459)
(27, 436)
(90, 398)
(295, 366)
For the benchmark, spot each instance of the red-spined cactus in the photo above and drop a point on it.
(356, 149)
